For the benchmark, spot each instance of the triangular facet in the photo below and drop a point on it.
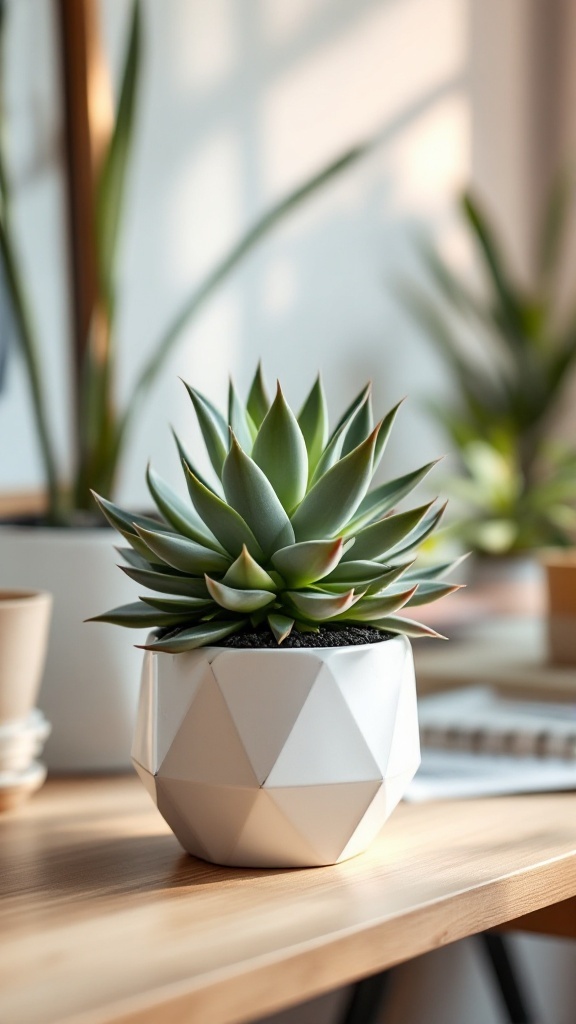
(181, 676)
(326, 816)
(369, 827)
(325, 745)
(144, 742)
(147, 778)
(216, 813)
(369, 679)
(207, 747)
(265, 691)
(178, 819)
(268, 840)
(396, 786)
(405, 747)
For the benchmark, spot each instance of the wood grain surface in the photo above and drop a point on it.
(103, 917)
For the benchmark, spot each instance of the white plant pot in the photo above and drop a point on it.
(278, 758)
(90, 687)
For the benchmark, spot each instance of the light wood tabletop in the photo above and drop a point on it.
(105, 919)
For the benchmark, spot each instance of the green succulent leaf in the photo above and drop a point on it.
(385, 431)
(258, 401)
(333, 450)
(407, 627)
(134, 559)
(247, 574)
(181, 515)
(235, 600)
(358, 571)
(213, 426)
(251, 494)
(197, 636)
(334, 498)
(305, 563)
(313, 422)
(360, 427)
(426, 526)
(280, 625)
(280, 452)
(126, 522)
(138, 616)
(167, 583)
(223, 521)
(434, 572)
(186, 461)
(376, 541)
(179, 605)
(427, 592)
(384, 498)
(239, 420)
(370, 609)
(318, 607)
(183, 554)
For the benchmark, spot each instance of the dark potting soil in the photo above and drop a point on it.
(345, 637)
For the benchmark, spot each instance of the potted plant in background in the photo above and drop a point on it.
(90, 679)
(277, 722)
(511, 352)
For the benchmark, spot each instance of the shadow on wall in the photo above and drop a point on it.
(317, 294)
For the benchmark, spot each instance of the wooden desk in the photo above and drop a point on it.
(103, 918)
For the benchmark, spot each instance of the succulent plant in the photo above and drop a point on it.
(289, 538)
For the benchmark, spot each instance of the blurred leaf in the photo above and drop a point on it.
(111, 186)
(553, 229)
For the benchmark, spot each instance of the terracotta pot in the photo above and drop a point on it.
(282, 758)
(560, 567)
(24, 627)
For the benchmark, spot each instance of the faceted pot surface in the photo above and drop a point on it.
(278, 758)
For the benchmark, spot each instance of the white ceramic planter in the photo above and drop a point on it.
(278, 758)
(90, 687)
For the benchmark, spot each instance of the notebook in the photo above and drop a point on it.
(476, 742)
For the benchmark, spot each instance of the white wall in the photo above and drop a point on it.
(242, 101)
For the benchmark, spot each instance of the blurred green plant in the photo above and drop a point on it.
(289, 535)
(511, 354)
(101, 428)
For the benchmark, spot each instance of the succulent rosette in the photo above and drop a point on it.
(289, 535)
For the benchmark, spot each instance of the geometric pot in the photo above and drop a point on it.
(278, 758)
(90, 687)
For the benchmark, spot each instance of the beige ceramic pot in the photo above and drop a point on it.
(24, 627)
